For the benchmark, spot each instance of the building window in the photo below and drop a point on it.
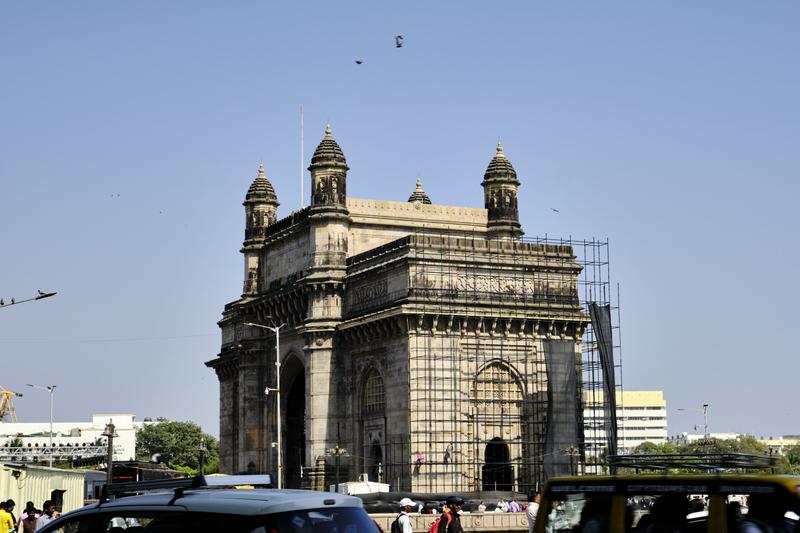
(496, 385)
(374, 394)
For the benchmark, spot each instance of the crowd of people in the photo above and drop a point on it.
(31, 519)
(450, 512)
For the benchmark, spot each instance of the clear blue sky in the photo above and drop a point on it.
(130, 131)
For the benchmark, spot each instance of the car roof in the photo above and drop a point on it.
(229, 501)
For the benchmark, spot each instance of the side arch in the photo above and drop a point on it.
(372, 421)
(293, 419)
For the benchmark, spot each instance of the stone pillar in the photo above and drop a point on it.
(319, 377)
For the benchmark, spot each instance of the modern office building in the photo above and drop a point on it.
(641, 417)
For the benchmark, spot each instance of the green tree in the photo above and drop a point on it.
(652, 448)
(792, 455)
(15, 442)
(178, 444)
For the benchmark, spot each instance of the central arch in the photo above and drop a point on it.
(497, 473)
(497, 397)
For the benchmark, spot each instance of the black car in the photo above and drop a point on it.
(210, 504)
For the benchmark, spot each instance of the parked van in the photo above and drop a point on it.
(714, 503)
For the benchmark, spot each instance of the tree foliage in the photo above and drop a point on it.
(14, 442)
(178, 445)
(743, 444)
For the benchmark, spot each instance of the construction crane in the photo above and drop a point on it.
(7, 404)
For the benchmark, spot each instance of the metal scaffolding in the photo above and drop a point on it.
(478, 367)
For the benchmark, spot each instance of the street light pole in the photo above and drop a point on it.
(704, 410)
(277, 331)
(40, 296)
(52, 389)
(110, 433)
(202, 451)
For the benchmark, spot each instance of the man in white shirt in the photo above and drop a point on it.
(502, 505)
(532, 509)
(406, 505)
(49, 514)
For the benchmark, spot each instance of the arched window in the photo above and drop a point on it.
(496, 385)
(374, 399)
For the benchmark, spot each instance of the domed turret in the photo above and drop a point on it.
(500, 185)
(328, 173)
(261, 202)
(419, 195)
(261, 210)
(261, 190)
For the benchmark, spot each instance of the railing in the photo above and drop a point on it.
(55, 452)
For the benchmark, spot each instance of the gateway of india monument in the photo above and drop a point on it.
(433, 343)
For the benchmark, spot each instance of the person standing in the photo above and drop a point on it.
(502, 505)
(49, 514)
(451, 519)
(513, 506)
(403, 519)
(6, 522)
(29, 509)
(532, 509)
(27, 523)
(10, 504)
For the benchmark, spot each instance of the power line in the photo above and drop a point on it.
(123, 339)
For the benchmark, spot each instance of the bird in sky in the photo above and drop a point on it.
(359, 61)
(2, 302)
(554, 209)
(398, 41)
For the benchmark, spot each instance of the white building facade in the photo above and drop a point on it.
(641, 417)
(76, 434)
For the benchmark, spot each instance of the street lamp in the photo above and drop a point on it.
(337, 452)
(39, 296)
(110, 433)
(573, 453)
(704, 410)
(52, 389)
(277, 331)
(202, 449)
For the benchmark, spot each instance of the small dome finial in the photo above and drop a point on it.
(261, 169)
(328, 131)
(500, 150)
(419, 195)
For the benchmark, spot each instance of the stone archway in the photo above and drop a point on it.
(376, 459)
(497, 473)
(373, 423)
(293, 388)
(497, 397)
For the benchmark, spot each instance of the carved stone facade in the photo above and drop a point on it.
(432, 356)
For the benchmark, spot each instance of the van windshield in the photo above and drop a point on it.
(323, 520)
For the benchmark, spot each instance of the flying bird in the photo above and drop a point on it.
(398, 41)
(359, 61)
(554, 209)
(2, 302)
